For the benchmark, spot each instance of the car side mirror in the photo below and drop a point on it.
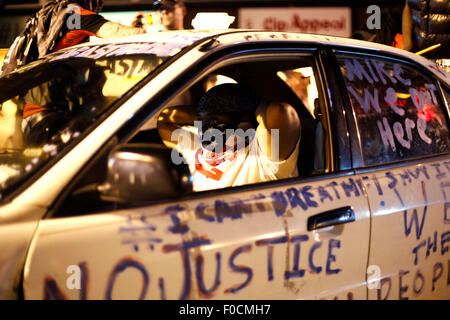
(141, 172)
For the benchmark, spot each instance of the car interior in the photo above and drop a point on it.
(290, 81)
(278, 84)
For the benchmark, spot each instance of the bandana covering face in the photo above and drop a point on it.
(213, 165)
(240, 164)
(214, 129)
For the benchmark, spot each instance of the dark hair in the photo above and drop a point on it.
(169, 5)
(228, 98)
(91, 5)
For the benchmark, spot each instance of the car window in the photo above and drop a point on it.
(446, 90)
(264, 77)
(399, 111)
(291, 82)
(47, 104)
(303, 83)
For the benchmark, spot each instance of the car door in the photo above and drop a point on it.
(402, 121)
(298, 238)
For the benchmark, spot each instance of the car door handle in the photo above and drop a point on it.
(331, 218)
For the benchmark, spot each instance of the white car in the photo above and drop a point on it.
(92, 207)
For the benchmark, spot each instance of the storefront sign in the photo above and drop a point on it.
(335, 21)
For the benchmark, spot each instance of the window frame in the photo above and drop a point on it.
(357, 149)
(47, 166)
(203, 67)
(444, 95)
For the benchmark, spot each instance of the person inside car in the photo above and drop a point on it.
(172, 14)
(233, 140)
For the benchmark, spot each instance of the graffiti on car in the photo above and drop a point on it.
(404, 104)
(206, 271)
(193, 271)
(413, 284)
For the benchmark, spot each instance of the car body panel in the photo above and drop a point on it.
(17, 228)
(244, 244)
(237, 36)
(233, 37)
(409, 211)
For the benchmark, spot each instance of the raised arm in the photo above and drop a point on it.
(113, 30)
(173, 118)
(281, 116)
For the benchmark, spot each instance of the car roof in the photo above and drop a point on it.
(232, 36)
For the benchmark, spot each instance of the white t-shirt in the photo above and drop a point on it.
(233, 168)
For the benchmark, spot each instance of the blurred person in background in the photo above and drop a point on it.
(390, 26)
(415, 26)
(58, 25)
(137, 21)
(172, 14)
(430, 25)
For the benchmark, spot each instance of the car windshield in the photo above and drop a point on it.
(47, 104)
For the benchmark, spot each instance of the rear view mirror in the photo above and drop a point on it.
(142, 172)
